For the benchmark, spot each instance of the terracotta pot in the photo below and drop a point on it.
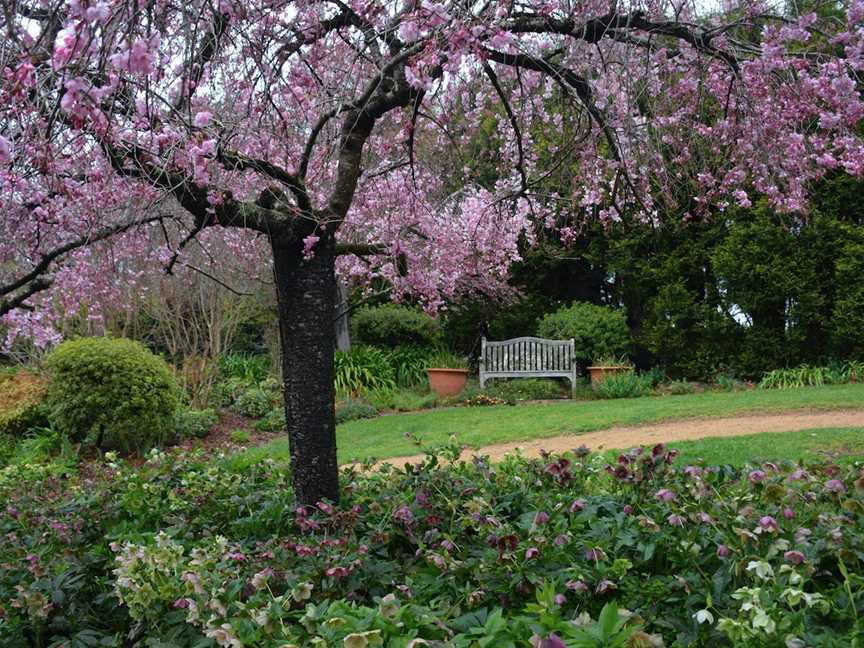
(600, 372)
(447, 382)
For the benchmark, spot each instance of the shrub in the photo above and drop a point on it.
(353, 409)
(273, 421)
(627, 384)
(598, 331)
(444, 359)
(240, 436)
(393, 325)
(810, 376)
(410, 362)
(192, 423)
(111, 393)
(22, 394)
(254, 402)
(249, 368)
(361, 369)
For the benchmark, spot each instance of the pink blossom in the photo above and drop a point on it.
(794, 557)
(769, 524)
(5, 150)
(202, 118)
(541, 518)
(722, 551)
(576, 586)
(577, 505)
(665, 495)
(531, 552)
(788, 513)
(835, 486)
(675, 520)
(756, 476)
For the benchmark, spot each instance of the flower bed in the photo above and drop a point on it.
(550, 553)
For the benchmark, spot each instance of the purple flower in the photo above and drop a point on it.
(595, 554)
(794, 557)
(181, 603)
(531, 552)
(552, 641)
(577, 505)
(722, 551)
(802, 534)
(768, 523)
(798, 475)
(705, 518)
(756, 476)
(562, 540)
(541, 518)
(560, 599)
(693, 471)
(835, 486)
(788, 513)
(665, 495)
(675, 520)
(404, 515)
(576, 586)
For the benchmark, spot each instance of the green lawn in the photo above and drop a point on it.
(384, 436)
(839, 444)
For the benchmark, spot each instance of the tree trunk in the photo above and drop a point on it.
(306, 294)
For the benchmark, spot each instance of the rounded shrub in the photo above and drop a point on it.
(598, 331)
(111, 393)
(392, 325)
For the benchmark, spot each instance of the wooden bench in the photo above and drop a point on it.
(528, 357)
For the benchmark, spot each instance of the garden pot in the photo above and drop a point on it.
(600, 372)
(447, 382)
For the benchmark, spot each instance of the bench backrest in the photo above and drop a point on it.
(530, 355)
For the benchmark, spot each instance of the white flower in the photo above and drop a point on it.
(704, 616)
(762, 569)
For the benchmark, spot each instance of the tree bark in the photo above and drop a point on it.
(306, 295)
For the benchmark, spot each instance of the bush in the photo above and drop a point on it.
(240, 436)
(598, 331)
(680, 387)
(254, 402)
(810, 376)
(361, 369)
(393, 325)
(274, 421)
(353, 409)
(627, 384)
(249, 368)
(112, 394)
(410, 362)
(191, 423)
(22, 395)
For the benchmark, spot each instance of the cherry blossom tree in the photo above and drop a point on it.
(337, 134)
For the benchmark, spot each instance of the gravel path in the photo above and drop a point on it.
(669, 432)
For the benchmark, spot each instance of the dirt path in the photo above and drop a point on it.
(668, 432)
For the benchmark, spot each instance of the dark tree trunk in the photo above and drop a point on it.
(306, 294)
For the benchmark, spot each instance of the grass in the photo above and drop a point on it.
(385, 436)
(840, 444)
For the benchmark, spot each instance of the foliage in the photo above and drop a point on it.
(597, 330)
(528, 389)
(273, 421)
(22, 394)
(112, 394)
(394, 325)
(679, 387)
(192, 423)
(255, 402)
(443, 359)
(240, 436)
(625, 384)
(361, 369)
(402, 400)
(246, 367)
(810, 376)
(410, 362)
(353, 409)
(568, 550)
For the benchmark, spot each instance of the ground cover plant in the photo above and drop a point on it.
(182, 551)
(392, 436)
